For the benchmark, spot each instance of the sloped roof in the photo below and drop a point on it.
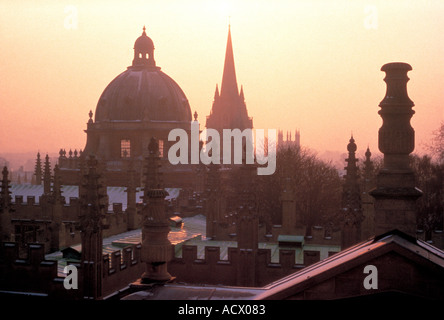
(303, 279)
(343, 260)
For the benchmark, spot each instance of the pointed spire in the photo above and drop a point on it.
(38, 170)
(47, 176)
(368, 154)
(229, 82)
(241, 94)
(216, 93)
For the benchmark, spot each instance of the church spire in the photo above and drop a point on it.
(216, 93)
(229, 82)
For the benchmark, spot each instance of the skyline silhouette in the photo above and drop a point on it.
(310, 66)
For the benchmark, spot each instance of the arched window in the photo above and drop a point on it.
(125, 148)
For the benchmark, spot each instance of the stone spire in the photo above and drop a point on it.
(368, 207)
(91, 214)
(229, 110)
(395, 193)
(157, 250)
(229, 87)
(216, 93)
(352, 169)
(47, 176)
(351, 200)
(368, 164)
(38, 170)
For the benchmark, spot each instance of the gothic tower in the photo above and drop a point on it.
(229, 110)
(351, 200)
(395, 193)
(289, 142)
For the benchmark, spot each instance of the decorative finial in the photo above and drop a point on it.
(368, 153)
(144, 30)
(153, 146)
(90, 114)
(195, 115)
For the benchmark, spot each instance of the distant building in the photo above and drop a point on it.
(140, 103)
(290, 141)
(229, 110)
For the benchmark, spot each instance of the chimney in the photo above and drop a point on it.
(395, 193)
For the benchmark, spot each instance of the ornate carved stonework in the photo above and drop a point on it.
(395, 193)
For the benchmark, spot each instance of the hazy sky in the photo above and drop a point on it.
(307, 65)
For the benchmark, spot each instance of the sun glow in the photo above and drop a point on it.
(311, 65)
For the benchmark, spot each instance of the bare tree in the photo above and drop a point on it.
(436, 147)
(316, 185)
(430, 179)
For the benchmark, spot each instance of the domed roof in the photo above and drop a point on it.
(352, 147)
(143, 92)
(144, 43)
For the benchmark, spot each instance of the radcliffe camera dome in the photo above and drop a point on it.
(143, 92)
(143, 42)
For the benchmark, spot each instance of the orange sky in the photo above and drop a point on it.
(308, 65)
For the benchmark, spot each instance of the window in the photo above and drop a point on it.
(161, 148)
(125, 148)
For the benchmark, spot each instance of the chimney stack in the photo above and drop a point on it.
(395, 193)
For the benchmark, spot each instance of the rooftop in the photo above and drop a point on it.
(306, 277)
(115, 194)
